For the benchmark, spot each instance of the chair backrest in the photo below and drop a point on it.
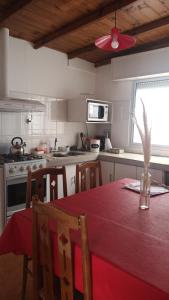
(90, 169)
(38, 181)
(42, 251)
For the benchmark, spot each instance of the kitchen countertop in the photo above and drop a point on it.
(157, 162)
(69, 160)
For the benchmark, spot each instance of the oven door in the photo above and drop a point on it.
(16, 194)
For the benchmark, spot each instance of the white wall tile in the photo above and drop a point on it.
(11, 124)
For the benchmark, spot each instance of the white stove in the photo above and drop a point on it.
(13, 180)
(20, 168)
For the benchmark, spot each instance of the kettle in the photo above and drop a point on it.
(18, 145)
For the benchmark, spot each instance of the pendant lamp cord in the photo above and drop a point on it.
(115, 18)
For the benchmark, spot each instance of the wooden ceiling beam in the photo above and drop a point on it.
(149, 26)
(137, 30)
(81, 50)
(82, 21)
(13, 8)
(161, 43)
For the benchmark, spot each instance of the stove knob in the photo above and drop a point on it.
(34, 167)
(21, 169)
(40, 166)
(11, 170)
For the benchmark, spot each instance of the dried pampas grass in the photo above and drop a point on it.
(145, 135)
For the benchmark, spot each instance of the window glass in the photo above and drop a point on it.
(155, 95)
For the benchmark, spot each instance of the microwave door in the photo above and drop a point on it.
(92, 112)
(100, 112)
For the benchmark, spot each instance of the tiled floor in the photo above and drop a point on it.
(11, 278)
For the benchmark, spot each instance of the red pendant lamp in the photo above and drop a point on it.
(115, 41)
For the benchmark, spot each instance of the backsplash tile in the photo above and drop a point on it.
(41, 129)
(10, 124)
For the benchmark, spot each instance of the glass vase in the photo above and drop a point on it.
(145, 183)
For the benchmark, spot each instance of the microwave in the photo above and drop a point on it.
(97, 111)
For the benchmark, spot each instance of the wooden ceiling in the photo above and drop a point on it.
(71, 26)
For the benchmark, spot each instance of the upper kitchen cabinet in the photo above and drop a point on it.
(58, 110)
(89, 111)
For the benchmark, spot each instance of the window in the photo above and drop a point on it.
(155, 95)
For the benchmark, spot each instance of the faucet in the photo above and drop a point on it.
(55, 144)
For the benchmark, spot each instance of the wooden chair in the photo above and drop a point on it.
(42, 252)
(36, 183)
(81, 175)
(38, 178)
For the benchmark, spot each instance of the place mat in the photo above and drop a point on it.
(154, 189)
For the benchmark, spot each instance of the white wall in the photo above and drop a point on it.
(119, 92)
(150, 63)
(48, 72)
(44, 72)
(115, 82)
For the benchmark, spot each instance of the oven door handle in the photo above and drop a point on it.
(11, 181)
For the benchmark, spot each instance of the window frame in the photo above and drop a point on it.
(162, 150)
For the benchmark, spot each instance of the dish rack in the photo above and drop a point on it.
(116, 150)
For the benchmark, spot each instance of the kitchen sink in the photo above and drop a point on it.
(70, 153)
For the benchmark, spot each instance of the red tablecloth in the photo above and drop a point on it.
(130, 248)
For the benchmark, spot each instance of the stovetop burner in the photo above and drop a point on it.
(9, 158)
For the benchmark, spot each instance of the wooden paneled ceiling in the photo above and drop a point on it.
(71, 26)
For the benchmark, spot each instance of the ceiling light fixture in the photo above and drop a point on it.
(115, 41)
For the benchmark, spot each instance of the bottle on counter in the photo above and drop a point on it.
(108, 144)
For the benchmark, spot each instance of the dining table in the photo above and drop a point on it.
(129, 247)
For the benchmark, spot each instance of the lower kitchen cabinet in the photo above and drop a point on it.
(107, 171)
(156, 175)
(114, 171)
(124, 171)
(60, 187)
(110, 171)
(71, 180)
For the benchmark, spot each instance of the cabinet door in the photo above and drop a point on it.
(107, 171)
(58, 111)
(156, 175)
(60, 186)
(124, 171)
(71, 179)
(77, 110)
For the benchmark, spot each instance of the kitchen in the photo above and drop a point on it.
(48, 76)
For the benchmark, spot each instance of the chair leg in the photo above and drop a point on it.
(24, 276)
